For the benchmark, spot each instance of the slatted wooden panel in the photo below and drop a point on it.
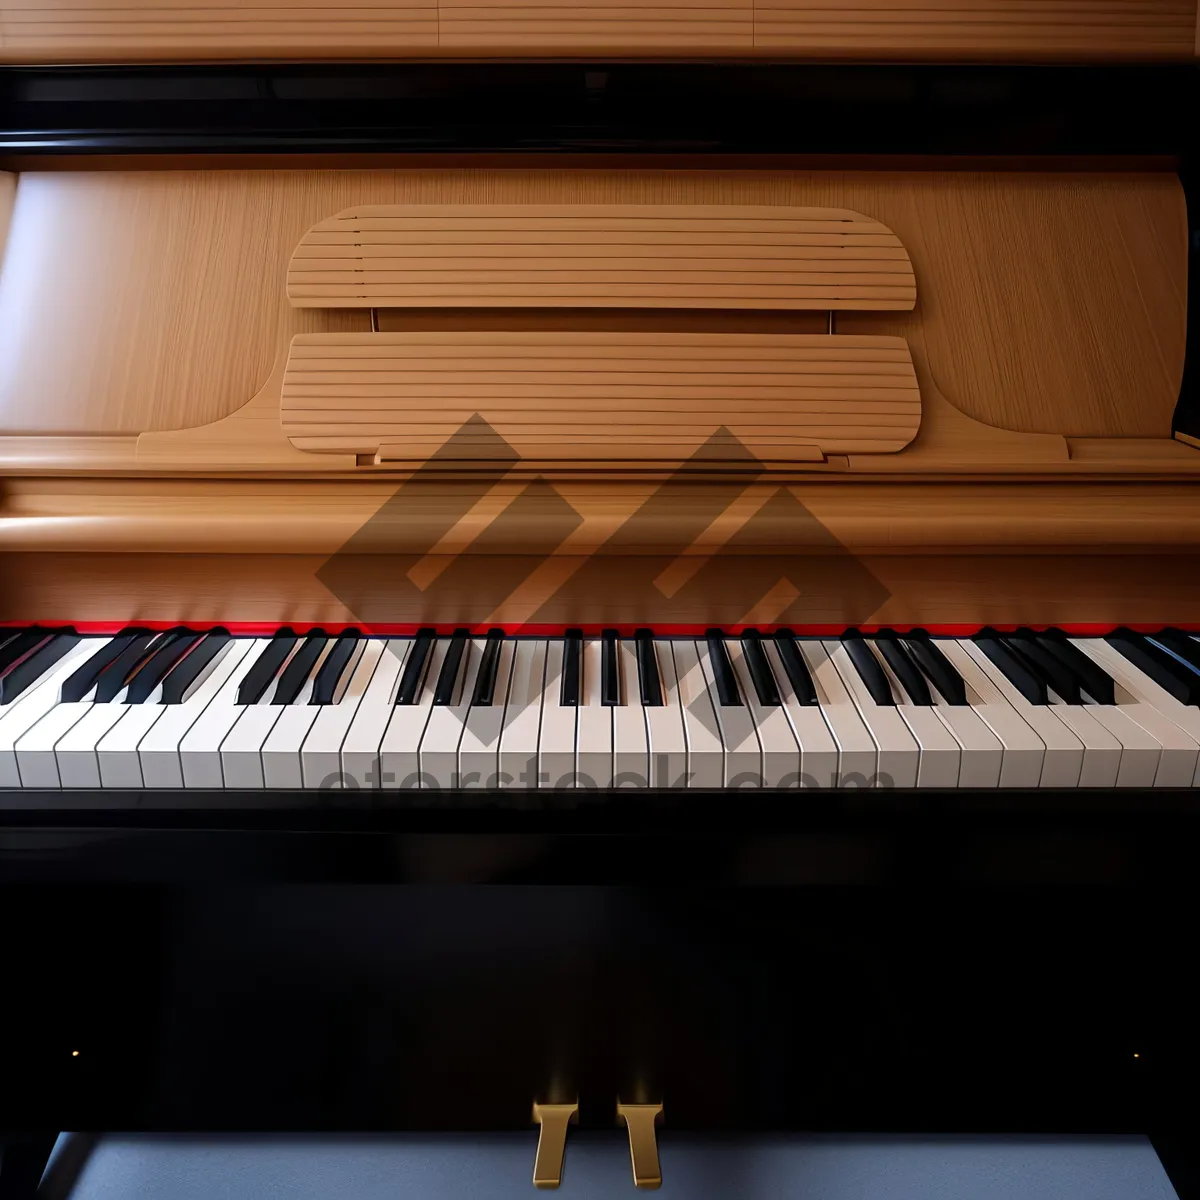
(124, 30)
(601, 256)
(996, 30)
(980, 29)
(724, 26)
(599, 398)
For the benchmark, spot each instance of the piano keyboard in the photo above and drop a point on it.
(184, 709)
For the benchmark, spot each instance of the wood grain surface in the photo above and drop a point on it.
(8, 197)
(165, 30)
(976, 28)
(897, 590)
(599, 398)
(530, 27)
(57, 31)
(1048, 303)
(322, 516)
(601, 256)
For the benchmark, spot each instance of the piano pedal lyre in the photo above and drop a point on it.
(552, 1141)
(643, 1142)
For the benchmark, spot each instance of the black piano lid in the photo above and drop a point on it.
(600, 107)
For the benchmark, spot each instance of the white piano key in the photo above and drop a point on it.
(479, 749)
(438, 752)
(361, 764)
(242, 746)
(743, 750)
(117, 751)
(1175, 726)
(29, 762)
(665, 735)
(1140, 752)
(281, 750)
(899, 757)
(705, 749)
(399, 752)
(158, 751)
(200, 749)
(35, 752)
(1101, 751)
(593, 723)
(1062, 763)
(1023, 752)
(982, 753)
(631, 746)
(818, 750)
(556, 739)
(940, 761)
(75, 751)
(523, 716)
(858, 755)
(780, 750)
(320, 755)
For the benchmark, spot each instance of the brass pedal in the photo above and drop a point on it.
(643, 1143)
(552, 1141)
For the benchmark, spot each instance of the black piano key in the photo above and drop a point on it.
(81, 681)
(1013, 668)
(295, 674)
(568, 689)
(795, 667)
(414, 666)
(610, 679)
(1093, 678)
(868, 668)
(765, 687)
(158, 665)
(1169, 673)
(718, 655)
(17, 647)
(180, 680)
(124, 667)
(259, 677)
(1052, 671)
(895, 654)
(443, 692)
(649, 680)
(940, 671)
(35, 665)
(1181, 644)
(326, 683)
(489, 666)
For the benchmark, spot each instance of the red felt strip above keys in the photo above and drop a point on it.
(267, 629)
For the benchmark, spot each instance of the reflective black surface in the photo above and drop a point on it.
(376, 1008)
(599, 107)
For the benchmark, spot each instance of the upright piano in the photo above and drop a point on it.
(657, 505)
